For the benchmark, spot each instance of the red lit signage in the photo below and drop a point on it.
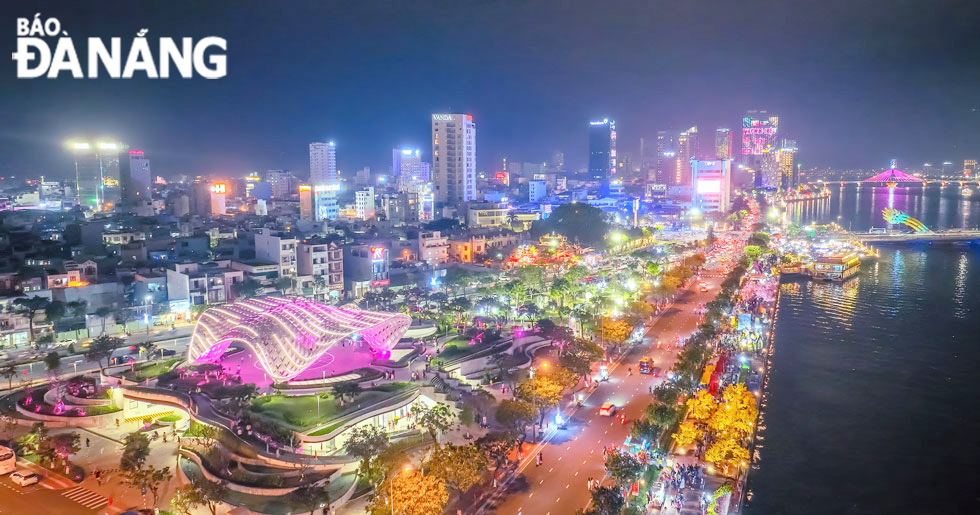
(377, 253)
(219, 187)
(135, 152)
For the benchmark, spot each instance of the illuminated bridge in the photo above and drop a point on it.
(288, 335)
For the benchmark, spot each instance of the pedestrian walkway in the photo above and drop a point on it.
(86, 497)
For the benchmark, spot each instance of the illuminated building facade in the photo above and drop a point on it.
(786, 162)
(454, 157)
(711, 185)
(723, 143)
(288, 335)
(970, 168)
(305, 202)
(97, 174)
(687, 149)
(218, 195)
(323, 163)
(759, 132)
(325, 202)
(602, 150)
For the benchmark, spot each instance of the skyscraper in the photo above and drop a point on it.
(666, 158)
(280, 180)
(97, 174)
(786, 162)
(687, 149)
(602, 150)
(407, 165)
(323, 163)
(759, 131)
(134, 177)
(454, 157)
(723, 143)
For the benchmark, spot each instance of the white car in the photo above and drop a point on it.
(607, 410)
(24, 478)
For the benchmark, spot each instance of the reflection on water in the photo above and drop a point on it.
(872, 395)
(859, 207)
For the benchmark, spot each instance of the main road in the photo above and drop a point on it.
(572, 455)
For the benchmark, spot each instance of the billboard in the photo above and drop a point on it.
(377, 253)
(759, 135)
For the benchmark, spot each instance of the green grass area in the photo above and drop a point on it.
(151, 370)
(460, 346)
(169, 418)
(100, 410)
(301, 411)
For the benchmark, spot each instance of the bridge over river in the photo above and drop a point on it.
(954, 236)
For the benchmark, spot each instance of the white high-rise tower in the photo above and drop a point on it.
(454, 157)
(323, 163)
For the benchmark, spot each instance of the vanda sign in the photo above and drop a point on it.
(35, 57)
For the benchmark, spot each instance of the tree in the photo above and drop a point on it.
(103, 313)
(32, 441)
(320, 283)
(701, 406)
(460, 466)
(345, 388)
(606, 500)
(136, 448)
(54, 312)
(310, 497)
(248, 288)
(366, 443)
(283, 284)
(201, 492)
(580, 223)
(436, 419)
(616, 330)
(78, 308)
(29, 307)
(410, 493)
(643, 429)
(52, 361)
(149, 478)
(8, 371)
(623, 467)
(101, 348)
(515, 414)
(687, 433)
(496, 446)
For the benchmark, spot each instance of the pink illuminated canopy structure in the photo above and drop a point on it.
(288, 335)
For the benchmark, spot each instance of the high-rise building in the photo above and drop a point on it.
(250, 181)
(687, 149)
(664, 170)
(364, 203)
(305, 202)
(407, 166)
(454, 157)
(323, 163)
(218, 192)
(325, 202)
(536, 190)
(759, 132)
(711, 184)
(97, 174)
(558, 160)
(723, 143)
(970, 168)
(602, 150)
(786, 162)
(281, 182)
(134, 177)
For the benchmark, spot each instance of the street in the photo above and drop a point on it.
(573, 455)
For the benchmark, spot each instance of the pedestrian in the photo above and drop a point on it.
(86, 442)
(485, 425)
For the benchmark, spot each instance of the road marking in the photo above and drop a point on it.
(559, 458)
(568, 485)
(551, 469)
(556, 500)
(542, 481)
(568, 448)
(576, 472)
(86, 497)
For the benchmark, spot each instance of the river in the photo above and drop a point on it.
(872, 403)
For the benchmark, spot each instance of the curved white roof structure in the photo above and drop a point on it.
(287, 335)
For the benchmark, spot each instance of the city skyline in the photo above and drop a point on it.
(852, 79)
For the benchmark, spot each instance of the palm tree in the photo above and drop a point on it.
(103, 313)
(8, 371)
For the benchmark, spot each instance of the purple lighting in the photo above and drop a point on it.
(288, 335)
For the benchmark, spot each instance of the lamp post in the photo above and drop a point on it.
(146, 316)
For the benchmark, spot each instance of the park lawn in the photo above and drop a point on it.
(151, 370)
(460, 346)
(301, 411)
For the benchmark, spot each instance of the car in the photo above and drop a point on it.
(704, 288)
(24, 478)
(160, 353)
(655, 371)
(607, 410)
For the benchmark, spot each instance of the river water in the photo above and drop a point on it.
(872, 403)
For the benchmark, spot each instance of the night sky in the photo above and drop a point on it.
(854, 82)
